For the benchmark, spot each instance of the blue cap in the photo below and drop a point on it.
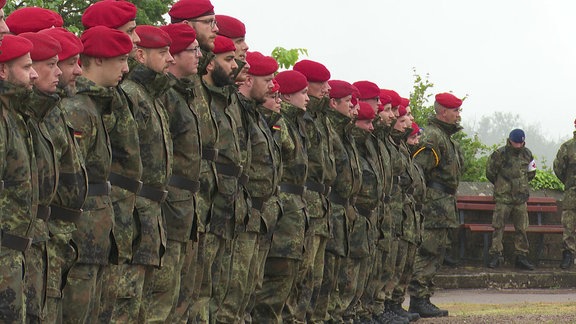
(517, 136)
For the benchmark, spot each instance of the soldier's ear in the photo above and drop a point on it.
(3, 71)
(140, 55)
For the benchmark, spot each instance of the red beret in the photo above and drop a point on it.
(32, 19)
(385, 99)
(340, 89)
(13, 47)
(44, 46)
(448, 100)
(182, 36)
(152, 37)
(109, 13)
(223, 45)
(261, 65)
(101, 41)
(395, 98)
(404, 102)
(291, 81)
(402, 111)
(368, 90)
(2, 3)
(415, 129)
(70, 43)
(187, 9)
(366, 112)
(276, 86)
(230, 27)
(314, 71)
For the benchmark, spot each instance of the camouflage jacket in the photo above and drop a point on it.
(508, 169)
(19, 199)
(371, 193)
(179, 208)
(565, 169)
(385, 219)
(72, 187)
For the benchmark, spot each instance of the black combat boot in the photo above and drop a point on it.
(523, 263)
(425, 308)
(567, 260)
(388, 317)
(397, 309)
(495, 261)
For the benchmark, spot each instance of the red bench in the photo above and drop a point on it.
(538, 205)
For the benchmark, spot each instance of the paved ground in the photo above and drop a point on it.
(503, 296)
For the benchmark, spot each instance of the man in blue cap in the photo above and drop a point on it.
(510, 168)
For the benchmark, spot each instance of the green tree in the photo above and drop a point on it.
(287, 58)
(149, 11)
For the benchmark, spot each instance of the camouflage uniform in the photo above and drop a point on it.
(368, 201)
(180, 206)
(34, 112)
(343, 251)
(287, 244)
(143, 87)
(441, 161)
(373, 297)
(81, 296)
(321, 173)
(565, 170)
(66, 208)
(18, 201)
(120, 302)
(507, 169)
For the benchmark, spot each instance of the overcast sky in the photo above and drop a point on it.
(516, 56)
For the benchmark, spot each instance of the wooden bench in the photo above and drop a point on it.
(538, 205)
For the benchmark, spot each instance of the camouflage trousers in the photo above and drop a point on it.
(428, 261)
(162, 285)
(279, 277)
(358, 287)
(569, 235)
(238, 264)
(519, 217)
(61, 257)
(189, 279)
(12, 297)
(121, 301)
(257, 277)
(81, 295)
(372, 299)
(404, 270)
(321, 301)
(35, 281)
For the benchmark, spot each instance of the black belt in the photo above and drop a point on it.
(126, 183)
(43, 212)
(292, 189)
(335, 198)
(231, 170)
(258, 203)
(99, 189)
(441, 187)
(364, 212)
(209, 154)
(15, 242)
(186, 184)
(154, 194)
(318, 187)
(65, 214)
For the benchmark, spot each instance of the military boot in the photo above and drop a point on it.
(397, 309)
(523, 263)
(567, 260)
(425, 308)
(495, 261)
(388, 317)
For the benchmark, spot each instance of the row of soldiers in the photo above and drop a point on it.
(167, 174)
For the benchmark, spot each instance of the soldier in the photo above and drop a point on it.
(104, 61)
(369, 93)
(72, 178)
(144, 85)
(19, 179)
(44, 99)
(321, 174)
(285, 254)
(440, 158)
(118, 301)
(565, 168)
(509, 169)
(235, 30)
(180, 205)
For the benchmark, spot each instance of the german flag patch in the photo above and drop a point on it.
(276, 127)
(78, 135)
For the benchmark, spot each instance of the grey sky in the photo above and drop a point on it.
(514, 55)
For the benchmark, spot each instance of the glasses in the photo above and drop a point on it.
(196, 50)
(212, 22)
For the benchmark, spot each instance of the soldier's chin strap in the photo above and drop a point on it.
(433, 152)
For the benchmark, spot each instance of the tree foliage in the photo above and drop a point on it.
(287, 58)
(149, 11)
